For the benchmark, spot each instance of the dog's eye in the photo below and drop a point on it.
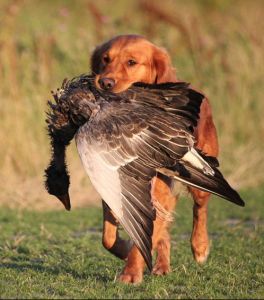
(131, 62)
(106, 59)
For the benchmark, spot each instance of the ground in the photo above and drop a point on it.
(58, 254)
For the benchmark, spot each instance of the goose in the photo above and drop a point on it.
(123, 141)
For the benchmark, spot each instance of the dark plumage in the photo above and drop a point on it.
(65, 117)
(124, 140)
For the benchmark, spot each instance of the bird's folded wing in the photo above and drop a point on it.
(177, 98)
(192, 175)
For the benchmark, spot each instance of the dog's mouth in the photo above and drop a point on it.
(119, 86)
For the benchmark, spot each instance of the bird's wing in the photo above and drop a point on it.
(123, 144)
(194, 168)
(125, 186)
(175, 98)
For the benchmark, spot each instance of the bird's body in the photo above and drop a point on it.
(124, 139)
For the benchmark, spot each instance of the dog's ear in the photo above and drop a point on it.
(163, 66)
(96, 57)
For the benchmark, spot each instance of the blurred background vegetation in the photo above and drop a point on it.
(217, 45)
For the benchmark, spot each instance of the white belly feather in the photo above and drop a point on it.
(104, 177)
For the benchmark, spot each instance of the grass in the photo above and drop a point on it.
(215, 45)
(59, 255)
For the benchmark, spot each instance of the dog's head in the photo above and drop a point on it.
(127, 59)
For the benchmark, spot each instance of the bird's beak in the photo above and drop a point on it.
(65, 199)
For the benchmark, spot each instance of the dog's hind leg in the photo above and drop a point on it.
(165, 203)
(111, 240)
(207, 142)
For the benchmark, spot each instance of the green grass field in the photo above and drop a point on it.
(59, 255)
(45, 252)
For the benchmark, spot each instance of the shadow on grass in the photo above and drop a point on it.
(38, 267)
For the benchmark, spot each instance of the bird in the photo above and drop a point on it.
(123, 141)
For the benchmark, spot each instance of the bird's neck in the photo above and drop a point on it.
(58, 155)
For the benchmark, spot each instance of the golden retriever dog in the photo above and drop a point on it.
(117, 64)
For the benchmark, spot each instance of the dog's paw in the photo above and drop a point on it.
(161, 269)
(201, 255)
(131, 277)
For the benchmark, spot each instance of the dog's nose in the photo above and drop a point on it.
(106, 83)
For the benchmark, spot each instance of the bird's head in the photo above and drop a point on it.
(57, 183)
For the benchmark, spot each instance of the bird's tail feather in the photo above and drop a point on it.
(215, 184)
